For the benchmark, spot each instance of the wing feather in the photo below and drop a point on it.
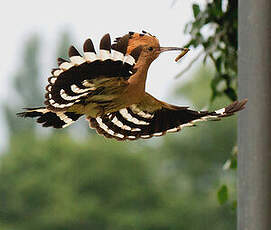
(152, 117)
(75, 80)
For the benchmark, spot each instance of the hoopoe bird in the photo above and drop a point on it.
(108, 88)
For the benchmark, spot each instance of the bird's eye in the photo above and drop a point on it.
(150, 49)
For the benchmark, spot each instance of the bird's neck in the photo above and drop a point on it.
(136, 88)
(138, 80)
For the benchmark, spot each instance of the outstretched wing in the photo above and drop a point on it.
(152, 117)
(83, 76)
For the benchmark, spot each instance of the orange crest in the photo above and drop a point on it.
(139, 39)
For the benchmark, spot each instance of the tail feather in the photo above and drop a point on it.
(236, 106)
(50, 119)
(232, 108)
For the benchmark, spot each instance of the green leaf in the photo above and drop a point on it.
(233, 163)
(218, 64)
(187, 28)
(196, 10)
(218, 5)
(222, 43)
(231, 94)
(215, 82)
(234, 205)
(222, 194)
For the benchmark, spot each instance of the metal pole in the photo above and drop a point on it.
(254, 139)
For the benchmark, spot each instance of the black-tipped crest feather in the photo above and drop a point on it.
(121, 44)
(136, 52)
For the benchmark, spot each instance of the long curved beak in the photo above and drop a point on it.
(163, 49)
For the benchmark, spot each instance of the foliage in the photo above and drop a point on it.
(222, 194)
(58, 183)
(218, 19)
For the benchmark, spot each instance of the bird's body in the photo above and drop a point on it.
(109, 89)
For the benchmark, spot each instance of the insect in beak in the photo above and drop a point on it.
(184, 51)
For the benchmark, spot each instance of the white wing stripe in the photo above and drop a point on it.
(158, 134)
(64, 118)
(119, 135)
(66, 65)
(53, 80)
(57, 72)
(145, 136)
(122, 126)
(145, 115)
(173, 130)
(77, 60)
(190, 124)
(117, 56)
(104, 55)
(88, 84)
(128, 116)
(56, 105)
(76, 89)
(70, 98)
(220, 111)
(90, 56)
(129, 59)
(106, 129)
(141, 113)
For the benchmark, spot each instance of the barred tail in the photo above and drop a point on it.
(49, 118)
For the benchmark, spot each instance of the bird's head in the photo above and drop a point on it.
(148, 45)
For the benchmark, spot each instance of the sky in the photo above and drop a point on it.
(91, 19)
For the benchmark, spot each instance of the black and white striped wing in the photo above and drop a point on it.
(50, 119)
(75, 80)
(156, 119)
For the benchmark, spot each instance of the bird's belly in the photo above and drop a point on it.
(99, 105)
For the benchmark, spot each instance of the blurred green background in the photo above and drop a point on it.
(74, 179)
